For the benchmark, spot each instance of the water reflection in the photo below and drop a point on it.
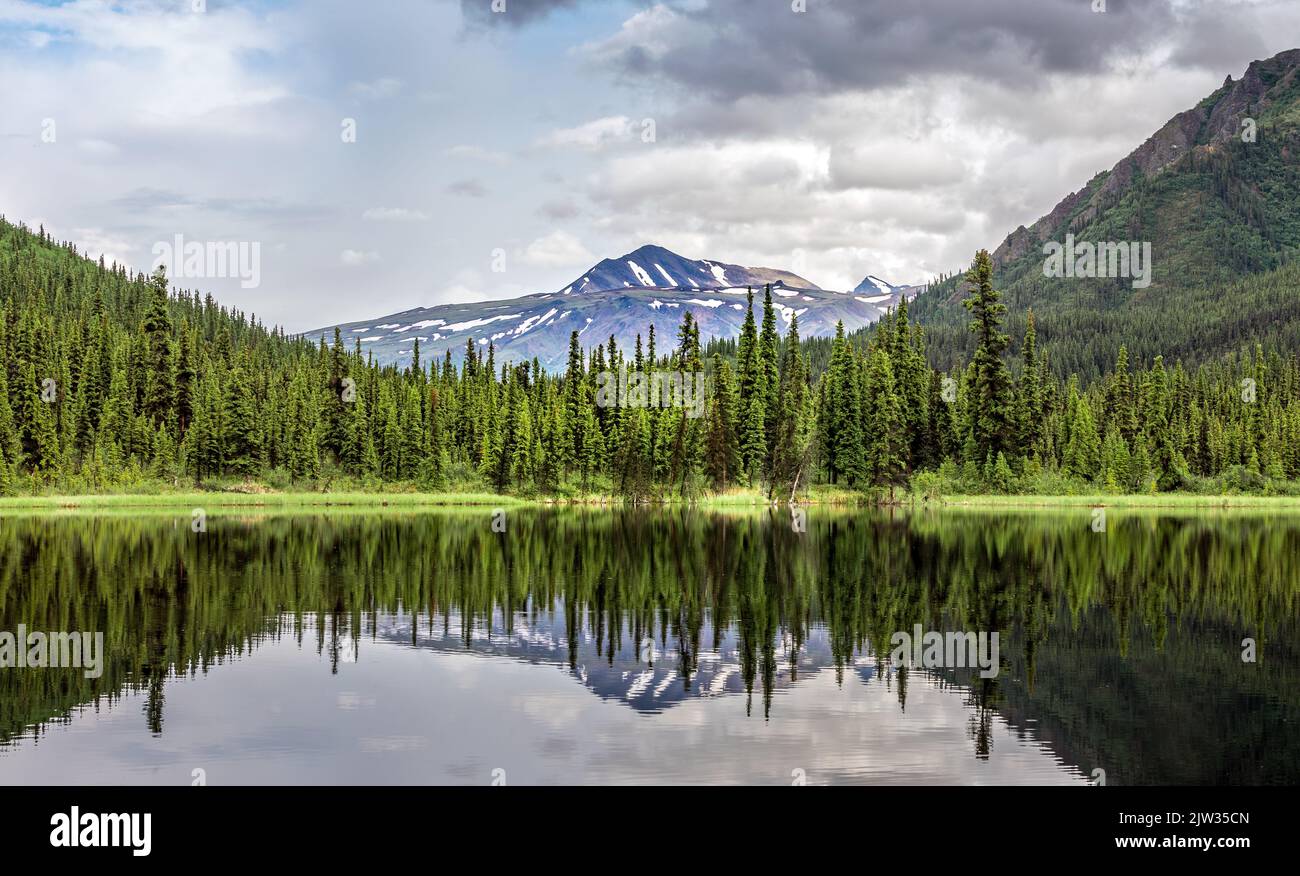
(720, 647)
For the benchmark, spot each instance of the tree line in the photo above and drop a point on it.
(111, 381)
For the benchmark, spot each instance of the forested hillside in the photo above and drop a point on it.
(1216, 192)
(112, 382)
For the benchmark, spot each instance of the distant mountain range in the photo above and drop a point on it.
(619, 297)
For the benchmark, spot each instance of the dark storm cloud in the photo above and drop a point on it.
(515, 12)
(734, 48)
(730, 49)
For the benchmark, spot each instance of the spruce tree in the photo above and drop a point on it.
(160, 386)
(722, 454)
(886, 430)
(242, 450)
(991, 415)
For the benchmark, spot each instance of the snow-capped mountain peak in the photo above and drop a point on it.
(620, 297)
(654, 267)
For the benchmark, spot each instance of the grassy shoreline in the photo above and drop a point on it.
(828, 497)
(255, 500)
(1136, 500)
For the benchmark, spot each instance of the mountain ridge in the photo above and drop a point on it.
(619, 297)
(1214, 121)
(1221, 212)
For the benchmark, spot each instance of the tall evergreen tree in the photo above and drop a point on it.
(991, 415)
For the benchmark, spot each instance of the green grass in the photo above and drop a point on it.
(209, 501)
(822, 495)
(1157, 500)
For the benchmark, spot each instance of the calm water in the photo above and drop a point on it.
(665, 647)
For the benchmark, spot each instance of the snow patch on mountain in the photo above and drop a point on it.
(640, 274)
(787, 312)
(539, 319)
(477, 323)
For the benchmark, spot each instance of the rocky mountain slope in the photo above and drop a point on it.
(1215, 193)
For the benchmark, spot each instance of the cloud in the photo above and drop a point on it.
(559, 249)
(644, 39)
(729, 181)
(95, 243)
(513, 13)
(894, 164)
(732, 48)
(352, 258)
(467, 188)
(559, 210)
(379, 89)
(132, 41)
(394, 214)
(595, 134)
(166, 204)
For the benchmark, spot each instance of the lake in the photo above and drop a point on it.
(654, 646)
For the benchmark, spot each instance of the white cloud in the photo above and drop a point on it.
(592, 135)
(96, 242)
(650, 34)
(894, 164)
(352, 258)
(129, 44)
(559, 249)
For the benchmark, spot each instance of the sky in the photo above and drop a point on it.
(374, 157)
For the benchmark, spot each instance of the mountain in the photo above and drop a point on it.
(1268, 93)
(884, 293)
(621, 673)
(1215, 192)
(620, 298)
(655, 267)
